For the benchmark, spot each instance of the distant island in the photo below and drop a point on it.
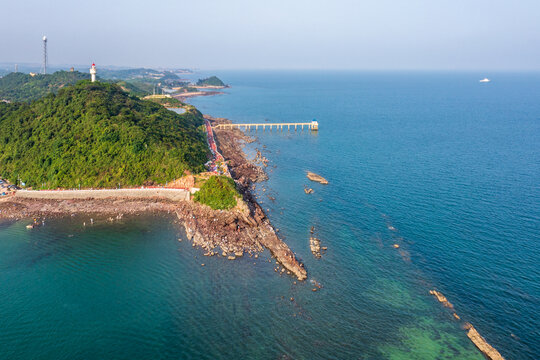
(211, 81)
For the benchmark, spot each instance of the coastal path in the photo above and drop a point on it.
(165, 193)
(218, 163)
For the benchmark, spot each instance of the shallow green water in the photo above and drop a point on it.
(132, 290)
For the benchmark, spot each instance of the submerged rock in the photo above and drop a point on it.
(489, 351)
(442, 299)
(315, 246)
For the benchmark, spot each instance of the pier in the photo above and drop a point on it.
(313, 126)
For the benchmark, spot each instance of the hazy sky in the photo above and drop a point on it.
(290, 34)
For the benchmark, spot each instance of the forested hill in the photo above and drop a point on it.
(96, 135)
(211, 81)
(24, 87)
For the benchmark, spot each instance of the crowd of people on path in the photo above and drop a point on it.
(6, 188)
(217, 164)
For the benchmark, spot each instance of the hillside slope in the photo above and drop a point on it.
(96, 135)
(24, 87)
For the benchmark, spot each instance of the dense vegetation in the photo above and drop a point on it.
(218, 192)
(24, 87)
(211, 81)
(96, 135)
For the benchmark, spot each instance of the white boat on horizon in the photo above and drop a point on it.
(485, 80)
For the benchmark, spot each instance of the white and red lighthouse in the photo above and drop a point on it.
(93, 72)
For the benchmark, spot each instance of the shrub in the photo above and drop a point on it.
(218, 192)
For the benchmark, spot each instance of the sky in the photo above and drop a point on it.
(276, 34)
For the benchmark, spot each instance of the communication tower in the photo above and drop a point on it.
(44, 65)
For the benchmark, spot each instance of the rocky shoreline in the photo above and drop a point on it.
(246, 173)
(244, 229)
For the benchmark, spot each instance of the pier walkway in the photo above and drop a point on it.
(313, 126)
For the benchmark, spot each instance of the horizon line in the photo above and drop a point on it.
(197, 69)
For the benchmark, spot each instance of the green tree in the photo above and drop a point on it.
(96, 135)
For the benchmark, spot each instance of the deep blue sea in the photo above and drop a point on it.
(443, 166)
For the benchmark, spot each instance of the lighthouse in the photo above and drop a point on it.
(93, 72)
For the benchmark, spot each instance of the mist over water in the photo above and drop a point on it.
(443, 166)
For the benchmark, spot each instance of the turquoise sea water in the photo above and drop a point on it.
(440, 164)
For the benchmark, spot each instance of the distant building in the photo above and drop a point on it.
(93, 72)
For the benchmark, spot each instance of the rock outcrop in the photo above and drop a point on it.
(318, 178)
(245, 174)
(315, 246)
(442, 299)
(489, 351)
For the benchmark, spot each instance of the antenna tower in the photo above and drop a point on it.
(44, 65)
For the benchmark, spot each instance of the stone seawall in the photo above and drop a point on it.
(170, 194)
